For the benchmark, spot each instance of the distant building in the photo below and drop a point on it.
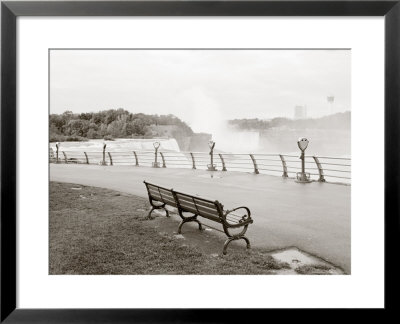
(300, 112)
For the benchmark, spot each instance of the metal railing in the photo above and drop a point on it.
(320, 168)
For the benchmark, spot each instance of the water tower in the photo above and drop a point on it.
(330, 99)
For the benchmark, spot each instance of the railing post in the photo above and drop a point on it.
(284, 166)
(223, 162)
(65, 157)
(320, 169)
(57, 146)
(193, 161)
(303, 176)
(109, 155)
(156, 164)
(163, 160)
(104, 154)
(255, 164)
(211, 166)
(87, 159)
(136, 158)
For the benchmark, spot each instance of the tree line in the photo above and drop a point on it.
(335, 121)
(114, 123)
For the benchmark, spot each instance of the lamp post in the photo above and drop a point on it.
(302, 177)
(104, 154)
(156, 146)
(57, 147)
(211, 166)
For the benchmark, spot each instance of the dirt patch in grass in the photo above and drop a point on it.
(316, 269)
(101, 231)
(304, 263)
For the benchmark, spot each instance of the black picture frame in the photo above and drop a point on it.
(10, 10)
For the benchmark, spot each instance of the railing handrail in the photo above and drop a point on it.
(286, 164)
(329, 157)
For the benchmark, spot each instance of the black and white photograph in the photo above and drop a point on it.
(199, 161)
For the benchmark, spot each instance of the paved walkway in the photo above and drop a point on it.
(314, 217)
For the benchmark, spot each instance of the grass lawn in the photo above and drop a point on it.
(100, 231)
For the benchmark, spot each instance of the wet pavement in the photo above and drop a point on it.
(313, 217)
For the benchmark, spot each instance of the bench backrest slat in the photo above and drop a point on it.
(208, 209)
(192, 209)
(155, 192)
(169, 202)
(193, 204)
(186, 201)
(167, 196)
(199, 202)
(198, 208)
(205, 208)
(161, 194)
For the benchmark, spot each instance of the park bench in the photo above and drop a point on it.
(230, 220)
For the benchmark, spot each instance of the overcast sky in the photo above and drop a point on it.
(196, 85)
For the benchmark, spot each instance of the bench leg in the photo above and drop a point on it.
(247, 242)
(186, 220)
(233, 238)
(158, 207)
(149, 215)
(200, 227)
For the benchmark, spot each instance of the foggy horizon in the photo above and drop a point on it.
(201, 87)
(180, 117)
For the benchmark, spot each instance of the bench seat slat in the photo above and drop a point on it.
(237, 225)
(233, 216)
(232, 220)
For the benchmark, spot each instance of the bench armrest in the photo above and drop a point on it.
(245, 218)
